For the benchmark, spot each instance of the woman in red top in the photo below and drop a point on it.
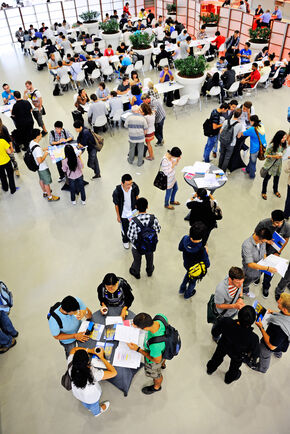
(109, 51)
(126, 9)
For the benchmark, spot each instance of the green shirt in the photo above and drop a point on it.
(156, 350)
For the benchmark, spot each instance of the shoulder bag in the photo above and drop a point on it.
(160, 180)
(261, 154)
(212, 314)
(216, 210)
(99, 141)
(66, 378)
(264, 172)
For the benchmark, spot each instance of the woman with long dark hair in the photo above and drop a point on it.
(202, 210)
(115, 292)
(72, 167)
(168, 163)
(85, 378)
(273, 163)
(136, 95)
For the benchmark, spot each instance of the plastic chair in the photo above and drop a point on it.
(233, 88)
(180, 104)
(252, 90)
(65, 81)
(204, 49)
(163, 62)
(214, 91)
(129, 69)
(264, 81)
(80, 78)
(108, 71)
(174, 34)
(27, 46)
(117, 117)
(139, 66)
(95, 74)
(75, 97)
(102, 121)
(90, 48)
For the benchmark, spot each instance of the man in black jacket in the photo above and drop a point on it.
(86, 138)
(125, 196)
(237, 341)
(228, 77)
(162, 55)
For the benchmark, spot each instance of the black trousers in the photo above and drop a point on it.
(137, 259)
(275, 183)
(124, 230)
(59, 168)
(6, 171)
(218, 358)
(23, 133)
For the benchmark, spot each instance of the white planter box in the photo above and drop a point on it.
(211, 30)
(91, 28)
(112, 39)
(192, 86)
(147, 56)
(256, 48)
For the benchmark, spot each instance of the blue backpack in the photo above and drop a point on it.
(147, 237)
(6, 298)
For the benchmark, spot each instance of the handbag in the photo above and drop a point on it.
(264, 172)
(261, 154)
(99, 141)
(160, 180)
(217, 212)
(212, 314)
(66, 378)
(42, 111)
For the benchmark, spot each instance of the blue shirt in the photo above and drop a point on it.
(254, 141)
(126, 61)
(245, 53)
(70, 324)
(278, 14)
(5, 94)
(266, 17)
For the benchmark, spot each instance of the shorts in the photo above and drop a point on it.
(153, 370)
(45, 176)
(149, 136)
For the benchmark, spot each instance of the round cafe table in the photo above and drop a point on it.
(190, 179)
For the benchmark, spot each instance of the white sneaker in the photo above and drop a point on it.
(107, 404)
(73, 202)
(126, 245)
(83, 202)
(250, 294)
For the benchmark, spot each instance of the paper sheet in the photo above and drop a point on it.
(127, 334)
(277, 262)
(201, 167)
(125, 357)
(97, 332)
(187, 169)
(208, 181)
(114, 320)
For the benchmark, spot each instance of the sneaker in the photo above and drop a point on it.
(214, 154)
(3, 349)
(162, 142)
(83, 202)
(249, 294)
(265, 293)
(44, 194)
(17, 173)
(277, 296)
(148, 390)
(96, 176)
(43, 133)
(126, 245)
(73, 202)
(186, 296)
(53, 198)
(235, 379)
(107, 404)
(256, 282)
(60, 179)
(137, 276)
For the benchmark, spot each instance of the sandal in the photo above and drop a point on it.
(149, 158)
(175, 203)
(277, 194)
(169, 206)
(264, 196)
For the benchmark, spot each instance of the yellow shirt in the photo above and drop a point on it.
(4, 157)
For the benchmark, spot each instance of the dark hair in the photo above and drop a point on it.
(143, 320)
(94, 97)
(141, 204)
(277, 215)
(110, 279)
(17, 94)
(276, 141)
(80, 91)
(113, 93)
(255, 65)
(175, 152)
(237, 31)
(162, 47)
(217, 33)
(266, 63)
(146, 108)
(237, 113)
(81, 373)
(247, 104)
(256, 120)
(59, 63)
(229, 66)
(134, 73)
(197, 231)
(78, 124)
(135, 90)
(58, 124)
(202, 194)
(264, 234)
(224, 105)
(236, 273)
(4, 84)
(126, 177)
(203, 27)
(247, 316)
(35, 133)
(264, 49)
(102, 84)
(188, 38)
(222, 58)
(233, 101)
(72, 160)
(215, 79)
(70, 304)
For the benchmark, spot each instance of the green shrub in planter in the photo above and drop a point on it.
(171, 8)
(110, 27)
(141, 41)
(90, 16)
(191, 67)
(260, 35)
(210, 19)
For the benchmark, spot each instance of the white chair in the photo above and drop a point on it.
(27, 46)
(129, 69)
(252, 90)
(144, 22)
(75, 97)
(264, 81)
(163, 62)
(90, 48)
(194, 98)
(117, 117)
(233, 88)
(95, 74)
(108, 72)
(179, 104)
(126, 38)
(78, 49)
(80, 78)
(139, 66)
(57, 56)
(214, 91)
(174, 34)
(160, 36)
(276, 74)
(146, 81)
(204, 49)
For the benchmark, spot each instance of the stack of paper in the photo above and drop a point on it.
(125, 357)
(277, 262)
(200, 167)
(188, 169)
(114, 320)
(208, 181)
(130, 335)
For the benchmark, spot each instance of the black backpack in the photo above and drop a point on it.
(52, 314)
(227, 134)
(207, 128)
(53, 134)
(171, 338)
(56, 90)
(29, 159)
(147, 237)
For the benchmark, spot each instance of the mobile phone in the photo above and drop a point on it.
(90, 328)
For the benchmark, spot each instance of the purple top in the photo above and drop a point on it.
(72, 175)
(162, 74)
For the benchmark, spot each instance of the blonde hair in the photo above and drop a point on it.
(151, 86)
(285, 301)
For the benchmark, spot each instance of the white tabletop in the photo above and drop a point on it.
(167, 87)
(197, 42)
(239, 69)
(6, 108)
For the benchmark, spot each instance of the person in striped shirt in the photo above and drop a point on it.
(168, 163)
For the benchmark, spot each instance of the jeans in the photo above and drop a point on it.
(124, 230)
(94, 408)
(170, 194)
(225, 156)
(77, 186)
(267, 281)
(60, 171)
(188, 286)
(275, 183)
(210, 144)
(159, 131)
(140, 149)
(251, 167)
(38, 117)
(287, 203)
(250, 279)
(218, 358)
(68, 347)
(93, 162)
(7, 331)
(137, 259)
(13, 161)
(283, 283)
(6, 171)
(265, 358)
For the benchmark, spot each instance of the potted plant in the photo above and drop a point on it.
(90, 21)
(111, 33)
(191, 74)
(141, 43)
(259, 38)
(171, 8)
(211, 21)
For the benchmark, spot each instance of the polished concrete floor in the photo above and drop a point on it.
(50, 250)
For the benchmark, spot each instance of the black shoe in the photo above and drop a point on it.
(96, 176)
(209, 371)
(277, 296)
(235, 379)
(257, 281)
(265, 293)
(3, 349)
(43, 133)
(150, 274)
(137, 276)
(148, 390)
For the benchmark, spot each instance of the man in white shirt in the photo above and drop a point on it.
(103, 61)
(97, 108)
(184, 48)
(242, 6)
(62, 70)
(36, 100)
(43, 170)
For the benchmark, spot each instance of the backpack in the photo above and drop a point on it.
(197, 271)
(171, 338)
(6, 298)
(147, 237)
(53, 134)
(52, 314)
(56, 90)
(29, 159)
(227, 134)
(207, 128)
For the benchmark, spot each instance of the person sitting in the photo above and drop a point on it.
(259, 10)
(82, 99)
(221, 63)
(245, 54)
(202, 32)
(115, 103)
(142, 14)
(265, 69)
(136, 96)
(217, 42)
(232, 44)
(115, 16)
(182, 36)
(124, 61)
(126, 10)
(210, 82)
(123, 21)
(265, 18)
(102, 91)
(277, 14)
(115, 292)
(139, 25)
(107, 17)
(135, 80)
(162, 55)
(124, 87)
(52, 65)
(89, 67)
(242, 7)
(228, 77)
(79, 58)
(167, 76)
(185, 48)
(121, 49)
(251, 80)
(7, 94)
(109, 51)
(262, 55)
(97, 109)
(150, 17)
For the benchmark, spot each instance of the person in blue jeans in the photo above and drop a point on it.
(256, 132)
(7, 333)
(216, 123)
(85, 378)
(193, 253)
(168, 163)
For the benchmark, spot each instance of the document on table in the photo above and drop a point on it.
(188, 169)
(278, 241)
(114, 320)
(286, 154)
(208, 181)
(125, 357)
(201, 167)
(130, 334)
(277, 262)
(97, 332)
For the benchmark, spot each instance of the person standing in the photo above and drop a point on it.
(215, 126)
(195, 255)
(142, 233)
(160, 116)
(22, 117)
(115, 292)
(168, 163)
(4, 134)
(137, 128)
(287, 201)
(36, 100)
(125, 198)
(59, 136)
(7, 333)
(228, 137)
(86, 138)
(273, 163)
(149, 115)
(72, 166)
(6, 169)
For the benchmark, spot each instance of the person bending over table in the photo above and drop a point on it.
(167, 76)
(115, 292)
(59, 136)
